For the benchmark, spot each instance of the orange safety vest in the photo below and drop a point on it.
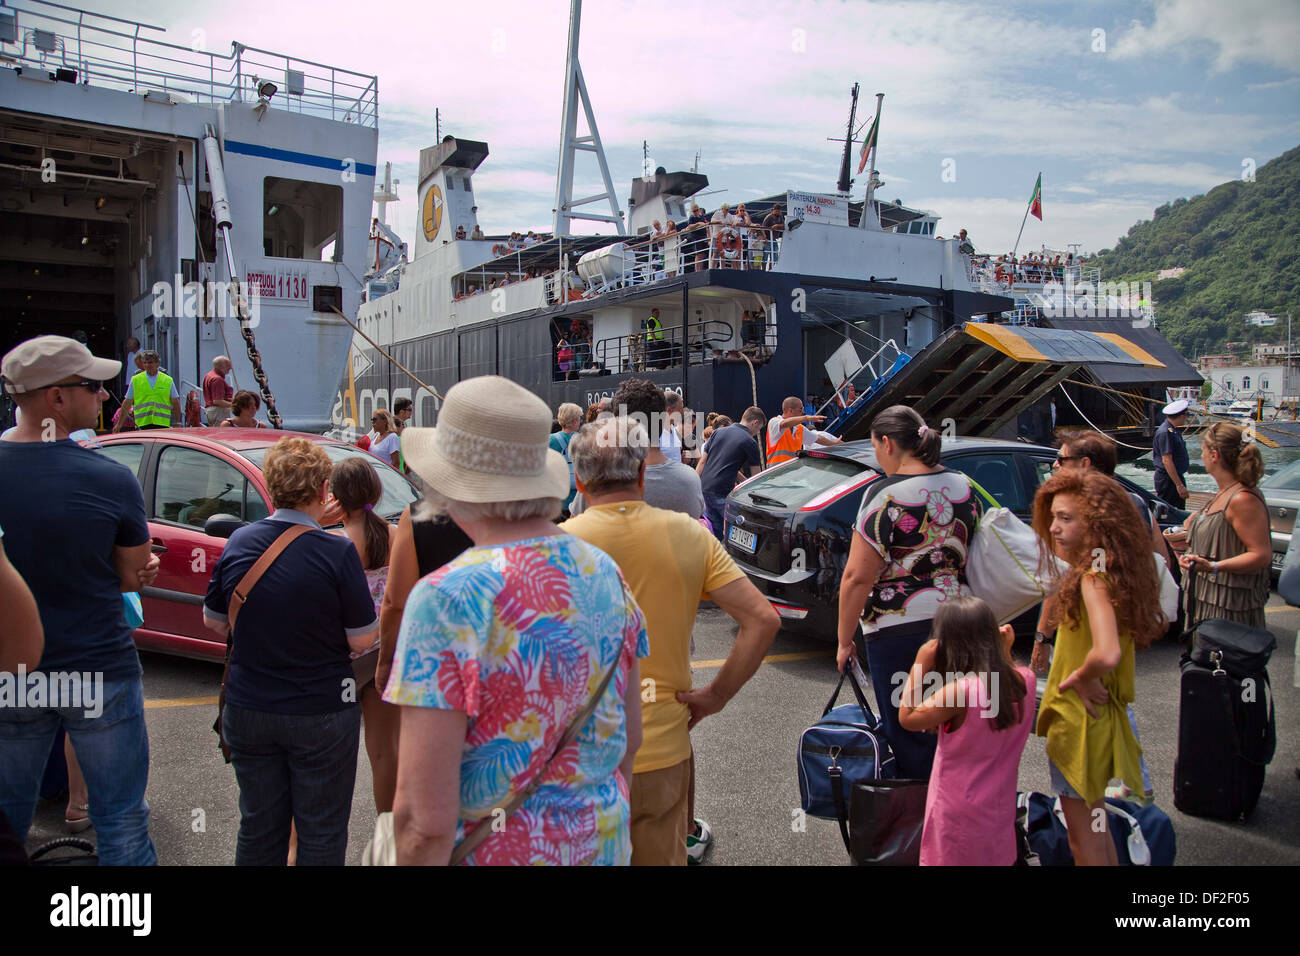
(787, 445)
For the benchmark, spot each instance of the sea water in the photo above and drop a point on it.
(1142, 471)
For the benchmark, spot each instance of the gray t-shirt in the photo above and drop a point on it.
(671, 486)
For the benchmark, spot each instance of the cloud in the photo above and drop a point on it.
(1195, 176)
(993, 223)
(1242, 31)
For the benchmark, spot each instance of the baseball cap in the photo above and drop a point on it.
(1176, 408)
(47, 358)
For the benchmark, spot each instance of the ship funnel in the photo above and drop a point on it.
(447, 191)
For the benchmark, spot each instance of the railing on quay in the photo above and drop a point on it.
(118, 54)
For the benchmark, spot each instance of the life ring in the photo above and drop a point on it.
(728, 243)
(1004, 280)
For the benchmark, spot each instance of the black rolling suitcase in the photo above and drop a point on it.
(1226, 727)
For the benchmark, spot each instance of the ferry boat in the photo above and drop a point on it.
(852, 304)
(204, 203)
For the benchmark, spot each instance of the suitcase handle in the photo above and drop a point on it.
(867, 712)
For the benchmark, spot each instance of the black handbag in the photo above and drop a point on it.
(885, 822)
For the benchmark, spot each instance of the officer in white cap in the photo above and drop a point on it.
(1169, 452)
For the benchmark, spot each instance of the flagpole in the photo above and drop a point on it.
(1024, 219)
(871, 169)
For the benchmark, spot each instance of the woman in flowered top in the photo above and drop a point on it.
(907, 557)
(501, 648)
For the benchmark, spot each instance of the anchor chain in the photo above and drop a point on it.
(255, 359)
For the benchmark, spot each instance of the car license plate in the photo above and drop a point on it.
(743, 539)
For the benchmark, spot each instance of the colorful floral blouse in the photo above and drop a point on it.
(518, 637)
(922, 525)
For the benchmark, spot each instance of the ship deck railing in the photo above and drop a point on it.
(105, 51)
(705, 342)
(990, 275)
(651, 259)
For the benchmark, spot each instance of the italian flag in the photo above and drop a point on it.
(1036, 200)
(868, 143)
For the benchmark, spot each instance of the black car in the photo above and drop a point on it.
(789, 528)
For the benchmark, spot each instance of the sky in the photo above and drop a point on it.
(1121, 106)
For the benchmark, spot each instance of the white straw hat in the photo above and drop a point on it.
(490, 445)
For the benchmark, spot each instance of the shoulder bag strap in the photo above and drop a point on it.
(481, 832)
(976, 485)
(254, 574)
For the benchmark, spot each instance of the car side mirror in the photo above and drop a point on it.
(222, 526)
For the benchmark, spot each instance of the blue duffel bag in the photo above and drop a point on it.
(1144, 836)
(845, 747)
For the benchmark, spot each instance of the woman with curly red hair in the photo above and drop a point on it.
(1106, 611)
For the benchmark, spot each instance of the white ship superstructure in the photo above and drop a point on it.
(132, 168)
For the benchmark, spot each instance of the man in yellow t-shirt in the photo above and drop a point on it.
(670, 562)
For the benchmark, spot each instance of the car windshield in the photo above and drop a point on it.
(1288, 479)
(795, 484)
(398, 492)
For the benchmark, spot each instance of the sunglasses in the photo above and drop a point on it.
(84, 383)
(1064, 458)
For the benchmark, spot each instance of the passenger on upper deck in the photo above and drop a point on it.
(460, 232)
(477, 233)
(696, 240)
(966, 245)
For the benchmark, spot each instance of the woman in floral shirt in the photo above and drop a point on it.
(908, 557)
(503, 647)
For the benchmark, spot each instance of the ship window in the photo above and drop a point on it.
(300, 220)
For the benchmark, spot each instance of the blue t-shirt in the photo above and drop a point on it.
(1169, 441)
(730, 449)
(64, 509)
(291, 652)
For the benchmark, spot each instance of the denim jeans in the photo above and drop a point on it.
(300, 767)
(888, 656)
(113, 750)
(714, 508)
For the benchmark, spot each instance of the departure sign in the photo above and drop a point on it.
(818, 207)
(285, 283)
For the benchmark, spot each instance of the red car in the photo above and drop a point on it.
(200, 485)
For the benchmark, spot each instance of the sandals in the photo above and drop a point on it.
(77, 824)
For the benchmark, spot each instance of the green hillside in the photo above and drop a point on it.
(1240, 245)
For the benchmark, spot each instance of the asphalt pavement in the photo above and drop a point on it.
(745, 758)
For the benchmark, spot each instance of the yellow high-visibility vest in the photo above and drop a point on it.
(152, 406)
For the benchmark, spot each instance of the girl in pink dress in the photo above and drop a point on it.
(965, 685)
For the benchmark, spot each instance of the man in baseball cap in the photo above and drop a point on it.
(74, 527)
(1169, 452)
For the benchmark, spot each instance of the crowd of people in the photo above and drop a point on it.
(1033, 267)
(517, 649)
(725, 240)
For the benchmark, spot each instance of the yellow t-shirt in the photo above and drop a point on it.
(1090, 751)
(669, 561)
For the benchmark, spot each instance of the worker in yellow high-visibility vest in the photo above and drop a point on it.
(151, 397)
(788, 434)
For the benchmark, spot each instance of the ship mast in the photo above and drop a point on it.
(845, 182)
(575, 94)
